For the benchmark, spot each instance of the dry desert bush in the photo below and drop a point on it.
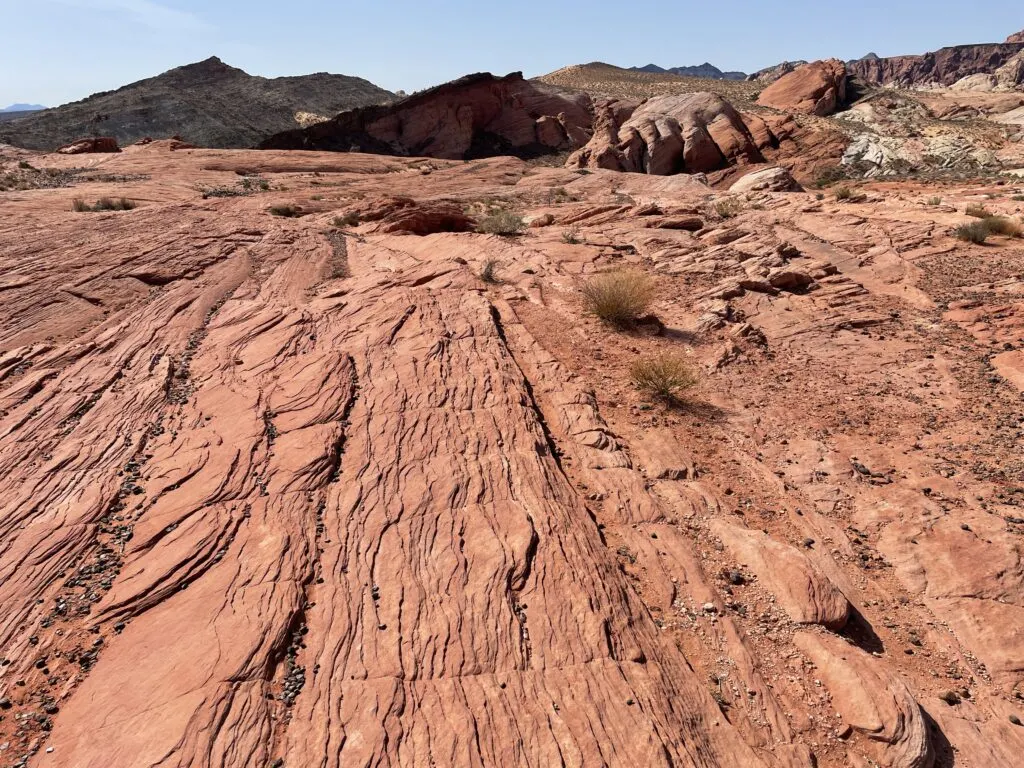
(619, 297)
(103, 204)
(664, 375)
(501, 223)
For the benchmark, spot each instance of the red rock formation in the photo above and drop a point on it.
(475, 116)
(1016, 38)
(92, 144)
(942, 67)
(691, 133)
(818, 88)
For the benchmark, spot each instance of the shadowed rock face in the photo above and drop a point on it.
(942, 67)
(476, 116)
(310, 490)
(691, 133)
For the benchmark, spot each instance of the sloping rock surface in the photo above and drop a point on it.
(476, 116)
(208, 103)
(308, 491)
(818, 89)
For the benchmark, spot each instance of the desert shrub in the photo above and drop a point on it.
(571, 236)
(729, 208)
(819, 196)
(664, 375)
(104, 204)
(288, 211)
(489, 272)
(618, 297)
(1000, 225)
(975, 232)
(1018, 198)
(830, 175)
(845, 194)
(978, 211)
(501, 223)
(350, 219)
(561, 195)
(25, 165)
(935, 200)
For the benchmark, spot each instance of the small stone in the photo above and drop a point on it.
(950, 697)
(1014, 719)
(808, 542)
(736, 578)
(710, 608)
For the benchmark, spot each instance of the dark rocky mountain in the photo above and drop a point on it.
(705, 70)
(210, 104)
(475, 116)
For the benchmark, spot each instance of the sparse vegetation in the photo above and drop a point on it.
(249, 185)
(830, 175)
(934, 201)
(103, 204)
(1001, 225)
(288, 211)
(561, 195)
(350, 219)
(25, 165)
(489, 272)
(620, 297)
(975, 232)
(845, 194)
(978, 211)
(571, 236)
(819, 196)
(729, 208)
(664, 375)
(1018, 198)
(501, 223)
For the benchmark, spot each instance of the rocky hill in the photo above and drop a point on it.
(608, 81)
(209, 104)
(22, 108)
(943, 67)
(706, 70)
(476, 116)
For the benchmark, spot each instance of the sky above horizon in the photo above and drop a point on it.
(55, 51)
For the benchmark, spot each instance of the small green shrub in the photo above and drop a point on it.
(620, 297)
(288, 211)
(571, 236)
(819, 196)
(975, 233)
(664, 376)
(830, 175)
(1018, 198)
(978, 211)
(501, 223)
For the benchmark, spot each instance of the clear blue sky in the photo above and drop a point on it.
(54, 51)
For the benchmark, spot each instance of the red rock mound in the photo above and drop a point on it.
(818, 88)
(93, 144)
(1016, 38)
(942, 67)
(476, 116)
(690, 133)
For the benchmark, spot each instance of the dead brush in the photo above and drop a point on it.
(489, 272)
(1001, 225)
(618, 298)
(665, 376)
(728, 208)
(978, 211)
(505, 223)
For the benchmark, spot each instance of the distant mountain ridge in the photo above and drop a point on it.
(706, 70)
(209, 103)
(23, 108)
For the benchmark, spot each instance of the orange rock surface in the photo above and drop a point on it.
(302, 489)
